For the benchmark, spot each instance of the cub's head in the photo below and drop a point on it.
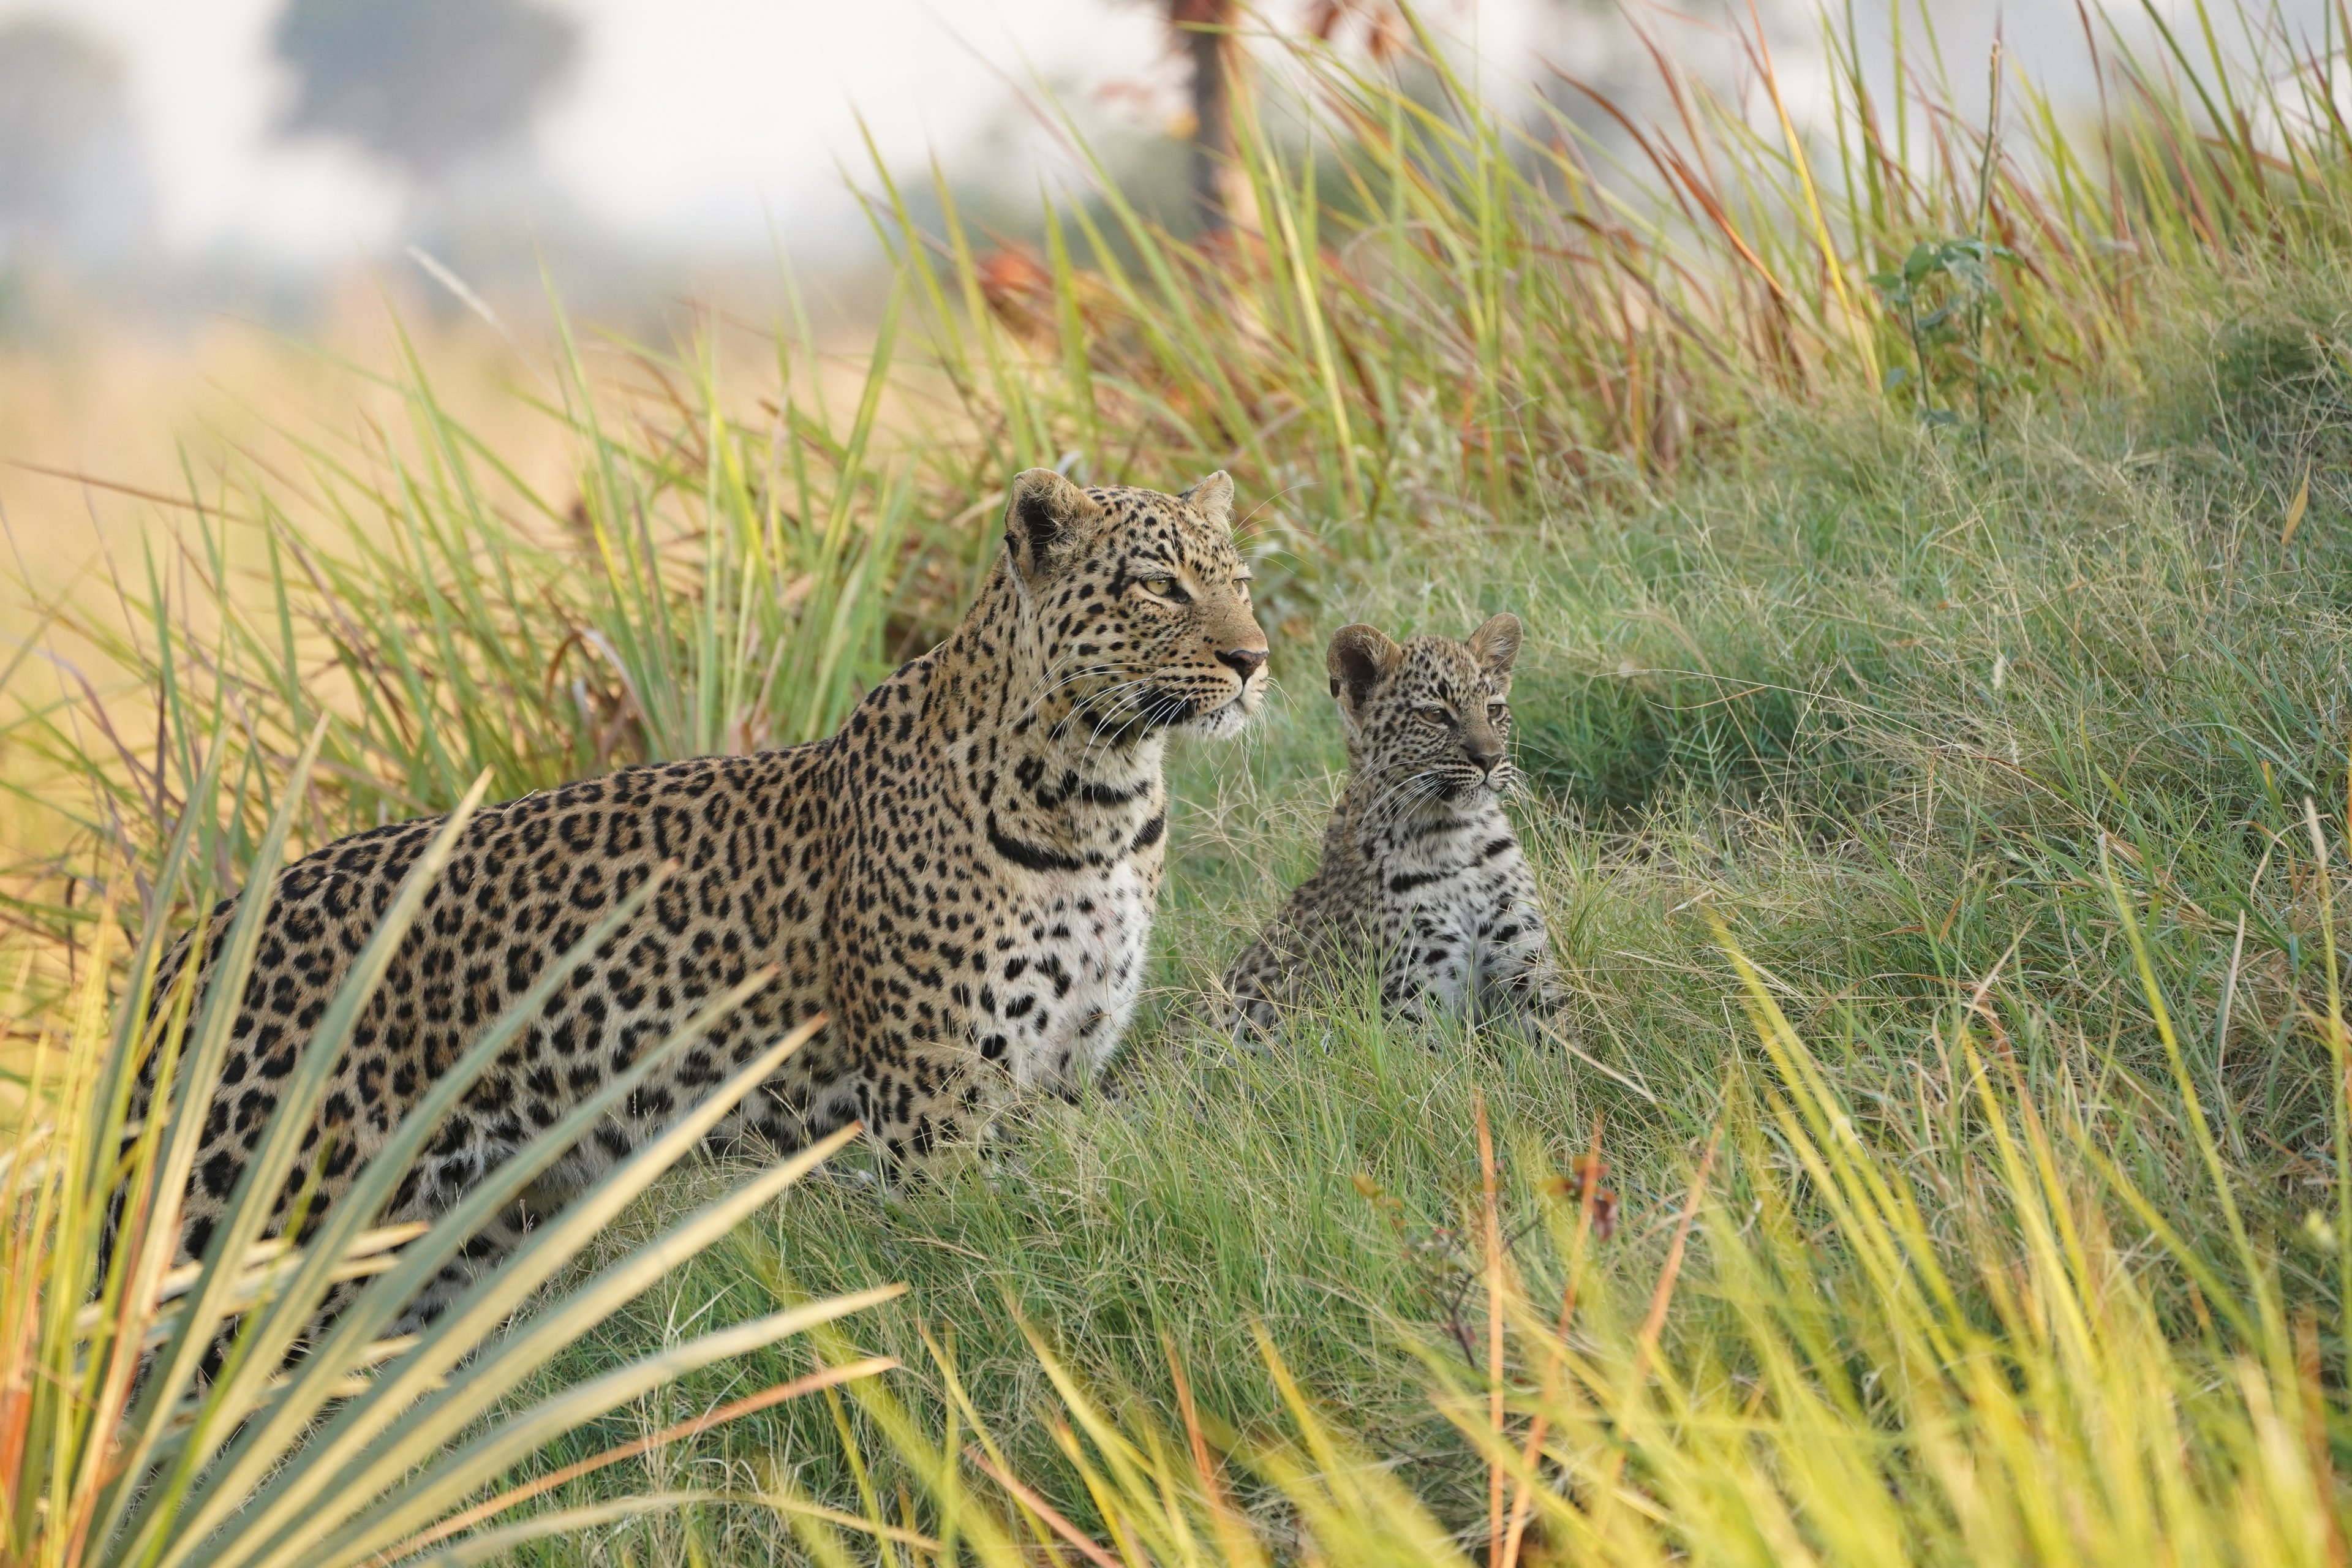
(1429, 720)
(1140, 603)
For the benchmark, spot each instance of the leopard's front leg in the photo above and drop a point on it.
(1428, 972)
(933, 1110)
(1516, 971)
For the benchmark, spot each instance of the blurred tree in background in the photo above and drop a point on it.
(1203, 31)
(424, 85)
(71, 180)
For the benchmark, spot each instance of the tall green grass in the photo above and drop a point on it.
(1454, 312)
(1462, 306)
(1931, 869)
(1853, 1374)
(1932, 542)
(155, 1413)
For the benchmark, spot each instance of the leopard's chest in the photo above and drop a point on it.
(1438, 895)
(1071, 968)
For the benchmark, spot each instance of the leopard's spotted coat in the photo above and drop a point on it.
(962, 878)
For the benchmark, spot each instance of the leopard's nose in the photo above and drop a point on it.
(1244, 661)
(1484, 753)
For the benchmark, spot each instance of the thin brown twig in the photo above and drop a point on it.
(1042, 1509)
(1523, 1503)
(1654, 1323)
(1493, 1236)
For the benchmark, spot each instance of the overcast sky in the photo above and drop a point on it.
(693, 119)
(697, 121)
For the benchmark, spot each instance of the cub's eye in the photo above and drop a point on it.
(1166, 588)
(1496, 707)
(1433, 715)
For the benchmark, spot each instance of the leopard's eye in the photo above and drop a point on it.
(1430, 712)
(1166, 588)
(1496, 707)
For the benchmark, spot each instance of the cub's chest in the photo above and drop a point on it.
(1451, 882)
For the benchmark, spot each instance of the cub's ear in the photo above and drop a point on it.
(1213, 499)
(1045, 517)
(1361, 657)
(1497, 644)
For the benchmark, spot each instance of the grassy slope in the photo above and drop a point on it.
(1870, 693)
(1873, 696)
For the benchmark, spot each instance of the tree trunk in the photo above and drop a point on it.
(1200, 25)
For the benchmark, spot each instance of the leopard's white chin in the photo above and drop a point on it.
(1228, 720)
(1472, 792)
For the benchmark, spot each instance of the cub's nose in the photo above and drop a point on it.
(1484, 753)
(1244, 661)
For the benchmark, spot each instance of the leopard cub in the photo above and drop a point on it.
(1421, 874)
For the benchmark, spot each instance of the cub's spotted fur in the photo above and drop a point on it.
(1421, 873)
(962, 878)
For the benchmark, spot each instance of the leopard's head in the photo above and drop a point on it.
(1139, 604)
(1428, 720)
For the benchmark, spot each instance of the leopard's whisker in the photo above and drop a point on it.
(1402, 797)
(1137, 691)
(1056, 685)
(1086, 707)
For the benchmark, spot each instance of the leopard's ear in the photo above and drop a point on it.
(1045, 517)
(1361, 658)
(1497, 644)
(1212, 498)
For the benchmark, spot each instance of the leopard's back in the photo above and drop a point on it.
(525, 882)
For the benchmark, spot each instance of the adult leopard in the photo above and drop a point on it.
(962, 878)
